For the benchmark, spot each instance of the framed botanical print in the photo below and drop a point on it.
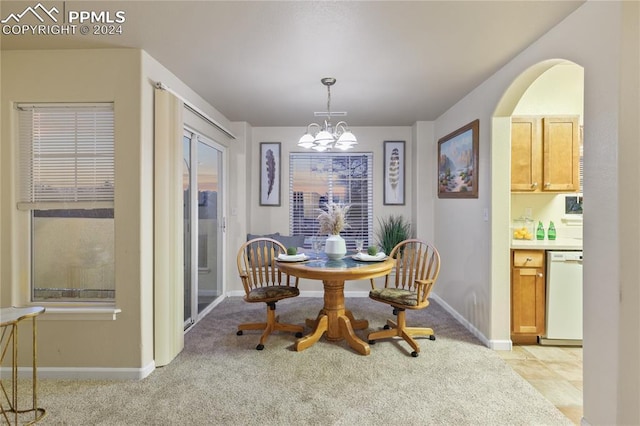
(270, 173)
(394, 172)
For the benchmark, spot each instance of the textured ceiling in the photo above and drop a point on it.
(395, 62)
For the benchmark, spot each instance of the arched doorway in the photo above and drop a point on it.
(501, 195)
(542, 90)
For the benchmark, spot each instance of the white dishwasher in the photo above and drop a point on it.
(564, 298)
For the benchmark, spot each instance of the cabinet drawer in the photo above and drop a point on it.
(528, 258)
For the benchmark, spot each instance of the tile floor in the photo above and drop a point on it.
(555, 371)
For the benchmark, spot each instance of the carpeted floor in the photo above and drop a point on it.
(220, 379)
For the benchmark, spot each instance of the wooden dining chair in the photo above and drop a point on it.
(264, 283)
(417, 265)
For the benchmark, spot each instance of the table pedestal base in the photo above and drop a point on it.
(334, 320)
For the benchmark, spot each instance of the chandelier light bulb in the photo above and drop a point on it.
(306, 141)
(324, 138)
(348, 138)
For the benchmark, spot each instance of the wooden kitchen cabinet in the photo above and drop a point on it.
(528, 293)
(545, 154)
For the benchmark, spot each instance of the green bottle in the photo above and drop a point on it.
(551, 233)
(540, 231)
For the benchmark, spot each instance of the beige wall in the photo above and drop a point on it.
(424, 179)
(558, 91)
(83, 76)
(608, 385)
(627, 380)
(239, 196)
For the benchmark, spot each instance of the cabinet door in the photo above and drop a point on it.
(561, 154)
(527, 301)
(526, 154)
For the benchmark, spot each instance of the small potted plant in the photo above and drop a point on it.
(332, 221)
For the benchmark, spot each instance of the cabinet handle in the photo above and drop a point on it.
(548, 184)
(540, 274)
(534, 185)
(528, 259)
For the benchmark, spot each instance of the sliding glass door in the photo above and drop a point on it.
(203, 224)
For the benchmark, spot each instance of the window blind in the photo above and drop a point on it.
(66, 155)
(317, 178)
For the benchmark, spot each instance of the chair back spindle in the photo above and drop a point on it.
(257, 263)
(415, 261)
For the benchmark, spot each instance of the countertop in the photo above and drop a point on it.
(557, 244)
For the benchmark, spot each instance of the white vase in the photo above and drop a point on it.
(335, 247)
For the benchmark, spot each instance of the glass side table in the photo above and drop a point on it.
(9, 411)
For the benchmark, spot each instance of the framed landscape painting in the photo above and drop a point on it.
(270, 173)
(458, 163)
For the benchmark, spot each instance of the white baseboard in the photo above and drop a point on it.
(309, 293)
(501, 345)
(493, 344)
(83, 373)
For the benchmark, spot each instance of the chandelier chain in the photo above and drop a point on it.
(329, 102)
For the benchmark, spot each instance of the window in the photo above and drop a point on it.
(317, 178)
(66, 184)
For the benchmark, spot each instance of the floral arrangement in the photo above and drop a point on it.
(334, 218)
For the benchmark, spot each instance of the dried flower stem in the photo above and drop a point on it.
(334, 219)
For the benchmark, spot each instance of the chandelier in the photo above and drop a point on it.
(327, 137)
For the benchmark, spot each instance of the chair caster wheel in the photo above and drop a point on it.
(372, 342)
(386, 327)
(432, 337)
(395, 312)
(299, 334)
(239, 333)
(414, 354)
(260, 347)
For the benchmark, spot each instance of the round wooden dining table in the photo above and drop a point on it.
(333, 319)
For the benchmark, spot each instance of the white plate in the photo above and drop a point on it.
(292, 258)
(363, 257)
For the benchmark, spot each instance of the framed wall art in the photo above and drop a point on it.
(458, 163)
(394, 171)
(270, 173)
